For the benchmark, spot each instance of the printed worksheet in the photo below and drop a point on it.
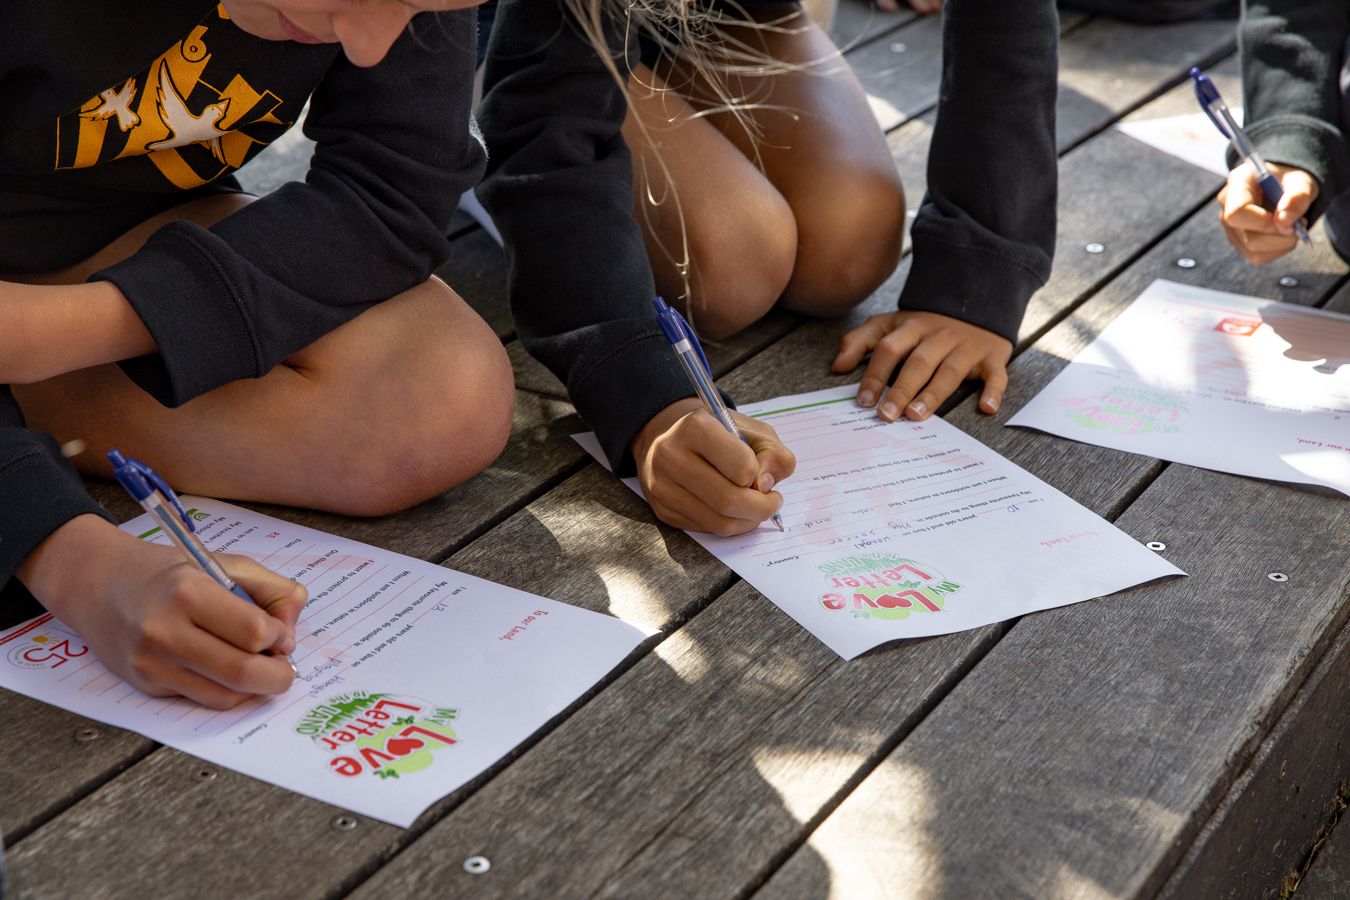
(911, 529)
(1211, 379)
(1191, 137)
(413, 678)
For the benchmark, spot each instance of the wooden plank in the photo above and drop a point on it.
(531, 819)
(770, 361)
(1273, 811)
(1329, 877)
(856, 22)
(592, 543)
(52, 758)
(539, 454)
(1083, 754)
(1099, 79)
(1272, 814)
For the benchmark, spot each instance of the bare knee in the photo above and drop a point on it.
(852, 234)
(740, 267)
(439, 414)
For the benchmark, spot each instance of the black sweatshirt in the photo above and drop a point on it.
(113, 112)
(559, 186)
(1291, 62)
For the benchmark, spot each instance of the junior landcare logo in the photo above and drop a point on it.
(384, 735)
(882, 586)
(41, 648)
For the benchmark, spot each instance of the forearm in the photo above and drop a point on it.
(49, 330)
(64, 555)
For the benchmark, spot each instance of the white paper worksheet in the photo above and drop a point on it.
(413, 678)
(1211, 379)
(1191, 137)
(910, 529)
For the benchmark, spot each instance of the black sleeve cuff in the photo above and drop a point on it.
(39, 492)
(956, 276)
(192, 312)
(1306, 143)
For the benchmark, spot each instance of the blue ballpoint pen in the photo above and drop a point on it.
(1218, 113)
(690, 353)
(158, 499)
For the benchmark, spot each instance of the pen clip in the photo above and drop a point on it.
(677, 329)
(1209, 98)
(141, 481)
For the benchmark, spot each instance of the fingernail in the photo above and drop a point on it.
(919, 408)
(766, 483)
(866, 398)
(991, 403)
(889, 411)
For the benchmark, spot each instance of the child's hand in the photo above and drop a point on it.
(163, 624)
(699, 477)
(939, 353)
(1260, 234)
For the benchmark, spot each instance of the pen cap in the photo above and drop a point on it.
(663, 318)
(141, 481)
(1209, 98)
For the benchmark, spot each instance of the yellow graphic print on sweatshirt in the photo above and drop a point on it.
(176, 114)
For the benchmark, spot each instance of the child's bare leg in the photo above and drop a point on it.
(394, 407)
(742, 240)
(819, 146)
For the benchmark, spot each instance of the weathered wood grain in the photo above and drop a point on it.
(1274, 809)
(52, 757)
(1329, 877)
(1273, 812)
(1085, 751)
(858, 21)
(1099, 78)
(539, 454)
(709, 842)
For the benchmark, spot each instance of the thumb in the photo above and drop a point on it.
(1300, 189)
(776, 462)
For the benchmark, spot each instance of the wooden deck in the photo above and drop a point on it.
(1187, 739)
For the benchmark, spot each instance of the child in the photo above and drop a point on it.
(1295, 79)
(294, 349)
(560, 188)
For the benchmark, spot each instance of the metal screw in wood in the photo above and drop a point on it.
(1186, 263)
(1156, 546)
(477, 865)
(1095, 248)
(1278, 576)
(1289, 281)
(898, 47)
(344, 823)
(86, 734)
(205, 774)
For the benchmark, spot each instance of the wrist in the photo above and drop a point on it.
(64, 328)
(660, 423)
(58, 568)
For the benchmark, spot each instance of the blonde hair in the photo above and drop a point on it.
(693, 32)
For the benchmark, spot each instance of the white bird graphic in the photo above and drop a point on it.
(117, 102)
(187, 128)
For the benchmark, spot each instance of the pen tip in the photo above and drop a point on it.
(779, 523)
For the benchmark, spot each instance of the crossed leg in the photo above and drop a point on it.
(797, 201)
(396, 406)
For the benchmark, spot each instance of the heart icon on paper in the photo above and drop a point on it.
(402, 746)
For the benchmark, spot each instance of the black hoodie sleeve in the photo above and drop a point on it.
(39, 489)
(984, 237)
(559, 187)
(1291, 59)
(395, 150)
